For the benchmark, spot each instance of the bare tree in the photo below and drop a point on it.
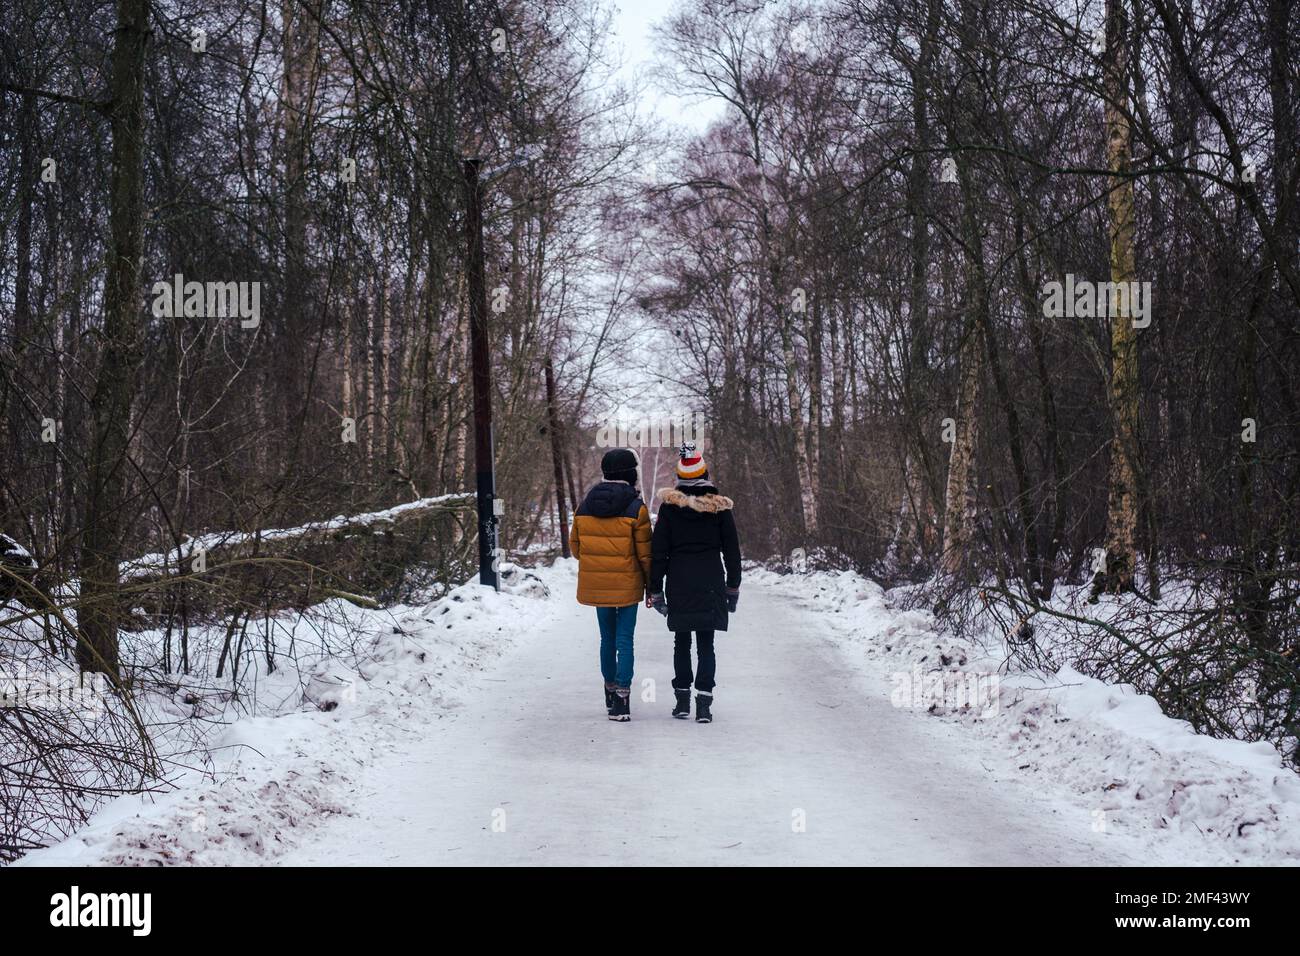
(121, 352)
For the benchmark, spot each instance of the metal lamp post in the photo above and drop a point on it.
(480, 361)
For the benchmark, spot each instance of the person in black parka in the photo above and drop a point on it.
(695, 552)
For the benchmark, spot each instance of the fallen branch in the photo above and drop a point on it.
(224, 547)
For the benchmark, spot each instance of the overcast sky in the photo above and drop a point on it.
(633, 20)
(637, 392)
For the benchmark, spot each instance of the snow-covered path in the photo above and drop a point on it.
(797, 735)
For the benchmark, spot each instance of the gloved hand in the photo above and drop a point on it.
(657, 602)
(733, 596)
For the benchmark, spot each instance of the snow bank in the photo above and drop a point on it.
(14, 554)
(265, 779)
(1188, 797)
(272, 771)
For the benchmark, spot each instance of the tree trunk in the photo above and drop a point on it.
(807, 492)
(385, 359)
(837, 392)
(1122, 506)
(1054, 501)
(553, 422)
(916, 379)
(794, 401)
(368, 377)
(959, 498)
(115, 380)
(301, 45)
(570, 476)
(815, 398)
(1026, 558)
(345, 347)
(23, 231)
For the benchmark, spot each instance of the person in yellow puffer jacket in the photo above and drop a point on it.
(611, 540)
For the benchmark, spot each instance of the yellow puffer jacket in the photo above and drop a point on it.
(611, 540)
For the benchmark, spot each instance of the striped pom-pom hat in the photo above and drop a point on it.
(690, 463)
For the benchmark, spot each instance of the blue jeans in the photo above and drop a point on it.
(617, 625)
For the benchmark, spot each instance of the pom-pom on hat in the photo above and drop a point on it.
(691, 463)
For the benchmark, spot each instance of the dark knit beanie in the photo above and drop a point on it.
(619, 464)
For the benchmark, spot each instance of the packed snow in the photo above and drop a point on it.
(1104, 747)
(278, 757)
(470, 731)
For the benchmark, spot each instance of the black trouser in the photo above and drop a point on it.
(682, 661)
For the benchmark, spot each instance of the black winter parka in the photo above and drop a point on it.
(694, 543)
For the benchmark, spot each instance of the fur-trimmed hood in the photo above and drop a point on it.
(702, 503)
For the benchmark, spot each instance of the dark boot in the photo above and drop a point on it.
(683, 709)
(609, 699)
(703, 702)
(622, 705)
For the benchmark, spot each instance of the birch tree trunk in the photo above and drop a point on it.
(345, 347)
(460, 352)
(960, 501)
(385, 358)
(807, 494)
(815, 398)
(368, 370)
(916, 383)
(782, 308)
(1122, 505)
(959, 497)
